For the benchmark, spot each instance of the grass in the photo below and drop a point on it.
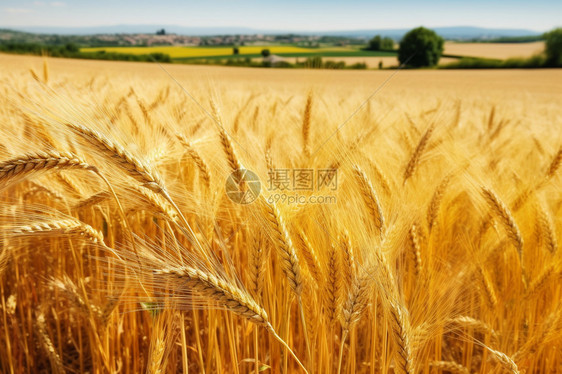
(120, 249)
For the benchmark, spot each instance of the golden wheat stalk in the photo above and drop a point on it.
(400, 331)
(332, 295)
(70, 184)
(226, 141)
(473, 324)
(47, 344)
(310, 257)
(257, 266)
(349, 266)
(126, 161)
(504, 360)
(355, 305)
(222, 292)
(370, 198)
(24, 165)
(60, 227)
(507, 220)
(67, 286)
(555, 164)
(435, 204)
(416, 249)
(282, 241)
(416, 156)
(94, 199)
(197, 159)
(548, 229)
(488, 288)
(160, 205)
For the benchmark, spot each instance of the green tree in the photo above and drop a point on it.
(375, 43)
(387, 44)
(265, 52)
(553, 47)
(379, 43)
(235, 51)
(420, 47)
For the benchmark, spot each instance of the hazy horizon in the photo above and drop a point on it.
(290, 15)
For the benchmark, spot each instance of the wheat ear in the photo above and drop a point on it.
(67, 286)
(416, 249)
(289, 258)
(54, 358)
(474, 324)
(225, 294)
(226, 141)
(400, 328)
(350, 267)
(333, 286)
(310, 257)
(507, 220)
(357, 301)
(415, 159)
(93, 200)
(435, 204)
(370, 198)
(489, 291)
(548, 229)
(197, 159)
(282, 240)
(64, 227)
(257, 265)
(130, 164)
(24, 165)
(555, 164)
(504, 360)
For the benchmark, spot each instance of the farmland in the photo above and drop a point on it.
(494, 50)
(350, 55)
(177, 52)
(132, 240)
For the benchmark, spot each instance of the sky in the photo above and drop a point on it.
(289, 15)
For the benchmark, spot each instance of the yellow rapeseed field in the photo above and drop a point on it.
(182, 52)
(206, 219)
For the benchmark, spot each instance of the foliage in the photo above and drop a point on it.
(553, 47)
(265, 52)
(379, 43)
(420, 47)
(71, 50)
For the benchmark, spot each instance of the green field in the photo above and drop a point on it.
(187, 53)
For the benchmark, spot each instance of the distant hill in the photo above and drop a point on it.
(454, 32)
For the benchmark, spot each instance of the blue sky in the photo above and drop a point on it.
(295, 15)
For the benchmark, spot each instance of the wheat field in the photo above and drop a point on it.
(426, 242)
(494, 50)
